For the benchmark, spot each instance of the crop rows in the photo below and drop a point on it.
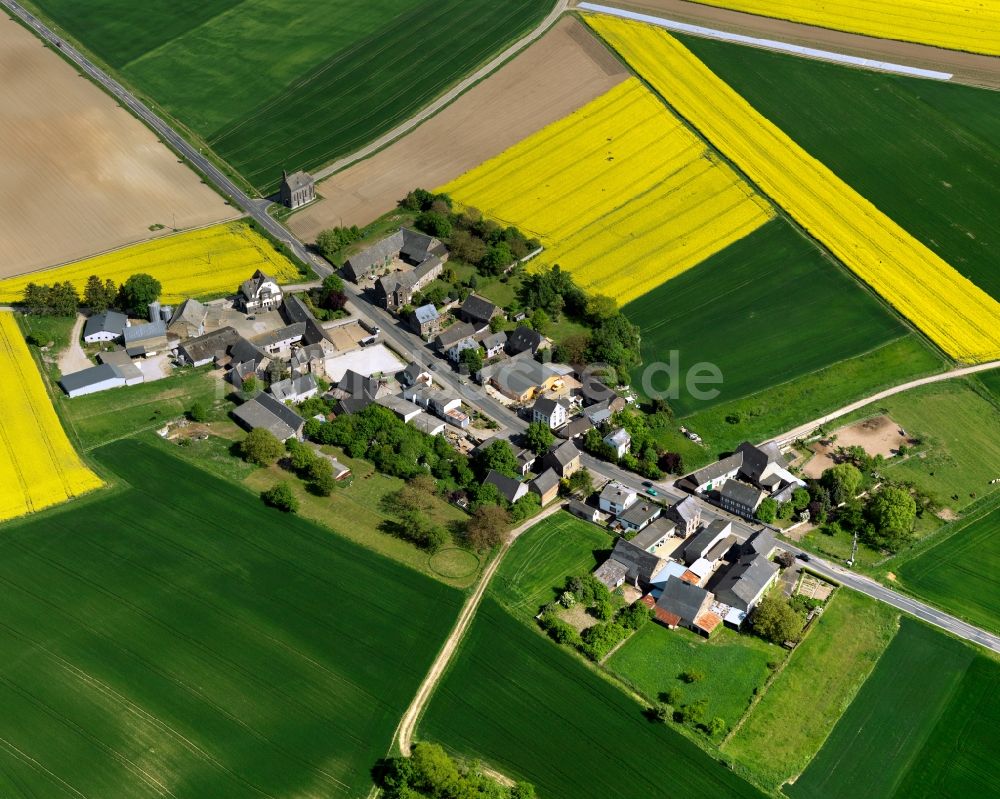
(940, 23)
(957, 315)
(621, 194)
(200, 263)
(38, 466)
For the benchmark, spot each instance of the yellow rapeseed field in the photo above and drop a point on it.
(972, 25)
(956, 314)
(38, 466)
(620, 192)
(199, 263)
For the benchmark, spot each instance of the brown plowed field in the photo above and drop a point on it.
(562, 71)
(969, 68)
(79, 175)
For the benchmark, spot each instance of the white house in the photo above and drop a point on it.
(297, 389)
(620, 441)
(549, 412)
(616, 498)
(259, 293)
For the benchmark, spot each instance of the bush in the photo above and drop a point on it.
(280, 496)
(774, 620)
(261, 447)
(691, 676)
(198, 412)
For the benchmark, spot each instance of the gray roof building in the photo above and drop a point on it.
(757, 459)
(654, 533)
(477, 310)
(524, 339)
(741, 495)
(267, 412)
(705, 539)
(426, 314)
(562, 457)
(111, 323)
(684, 600)
(454, 334)
(575, 428)
(637, 515)
(409, 245)
(204, 349)
(411, 374)
(745, 581)
(510, 489)
(242, 351)
(495, 341)
(294, 388)
(289, 333)
(545, 482)
(357, 386)
(725, 467)
(136, 334)
(92, 380)
(188, 319)
(640, 566)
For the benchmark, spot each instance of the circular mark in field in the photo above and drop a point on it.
(454, 563)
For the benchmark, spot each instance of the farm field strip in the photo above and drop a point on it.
(923, 720)
(138, 627)
(953, 312)
(38, 465)
(200, 263)
(969, 26)
(620, 181)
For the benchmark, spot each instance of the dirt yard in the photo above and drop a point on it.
(562, 71)
(879, 435)
(79, 175)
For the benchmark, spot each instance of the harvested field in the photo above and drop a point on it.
(562, 71)
(879, 435)
(80, 175)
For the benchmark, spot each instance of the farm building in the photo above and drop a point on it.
(107, 326)
(477, 311)
(397, 289)
(279, 340)
(546, 485)
(296, 189)
(267, 412)
(98, 378)
(406, 245)
(682, 604)
(208, 348)
(583, 511)
(188, 320)
(295, 389)
(635, 565)
(520, 378)
(403, 408)
(428, 425)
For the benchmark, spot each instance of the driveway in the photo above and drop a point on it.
(73, 358)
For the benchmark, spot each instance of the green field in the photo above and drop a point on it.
(292, 84)
(733, 666)
(991, 381)
(960, 572)
(536, 712)
(768, 309)
(803, 703)
(535, 570)
(931, 151)
(771, 412)
(923, 725)
(177, 638)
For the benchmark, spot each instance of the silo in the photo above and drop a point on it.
(154, 312)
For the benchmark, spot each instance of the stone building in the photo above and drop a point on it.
(297, 189)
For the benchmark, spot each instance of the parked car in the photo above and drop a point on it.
(803, 556)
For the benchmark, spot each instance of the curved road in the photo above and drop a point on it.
(808, 427)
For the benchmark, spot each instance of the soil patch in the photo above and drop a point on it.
(80, 175)
(562, 71)
(579, 618)
(879, 435)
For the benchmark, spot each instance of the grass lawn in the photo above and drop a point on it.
(353, 511)
(785, 729)
(515, 700)
(175, 636)
(959, 573)
(923, 725)
(96, 419)
(537, 566)
(991, 381)
(293, 84)
(734, 666)
(771, 412)
(931, 154)
(766, 310)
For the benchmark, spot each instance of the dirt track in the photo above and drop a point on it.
(562, 71)
(79, 175)
(970, 68)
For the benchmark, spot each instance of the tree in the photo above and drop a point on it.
(716, 727)
(581, 482)
(539, 437)
(843, 481)
(498, 257)
(671, 462)
(800, 499)
(600, 307)
(280, 496)
(892, 512)
(472, 358)
(526, 507)
(539, 320)
(774, 620)
(198, 412)
(63, 299)
(433, 223)
(488, 527)
(497, 456)
(466, 247)
(98, 296)
(250, 385)
(137, 292)
(261, 447)
(572, 349)
(330, 242)
(768, 510)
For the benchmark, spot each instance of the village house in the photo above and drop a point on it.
(521, 378)
(575, 428)
(620, 441)
(524, 339)
(638, 515)
(397, 288)
(311, 359)
(550, 412)
(745, 582)
(403, 408)
(414, 374)
(104, 327)
(456, 339)
(563, 458)
(295, 389)
(296, 189)
(655, 537)
(267, 412)
(493, 344)
(409, 246)
(188, 320)
(477, 311)
(546, 485)
(628, 563)
(593, 391)
(761, 467)
(616, 498)
(510, 489)
(583, 511)
(708, 547)
(259, 293)
(682, 604)
(687, 515)
(740, 498)
(208, 348)
(425, 321)
(282, 339)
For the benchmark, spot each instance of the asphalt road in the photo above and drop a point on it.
(412, 346)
